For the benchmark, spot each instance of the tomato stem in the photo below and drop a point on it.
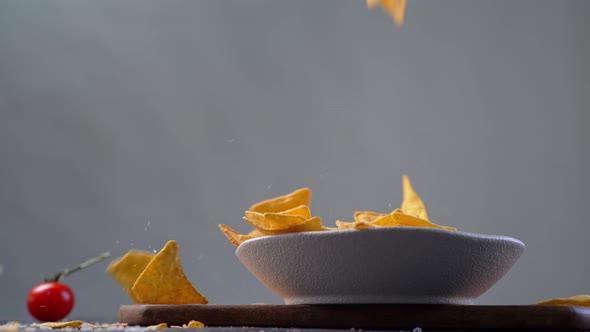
(59, 276)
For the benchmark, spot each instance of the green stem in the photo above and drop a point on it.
(59, 276)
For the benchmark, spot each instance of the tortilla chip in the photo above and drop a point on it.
(277, 204)
(301, 210)
(353, 225)
(60, 325)
(412, 203)
(163, 280)
(367, 216)
(127, 269)
(272, 221)
(402, 219)
(578, 300)
(395, 8)
(233, 236)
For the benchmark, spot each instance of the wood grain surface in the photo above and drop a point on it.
(370, 317)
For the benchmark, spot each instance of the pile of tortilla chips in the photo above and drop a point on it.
(290, 213)
(155, 279)
(280, 215)
(411, 213)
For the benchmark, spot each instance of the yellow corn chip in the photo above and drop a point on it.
(395, 8)
(385, 221)
(367, 216)
(255, 233)
(272, 221)
(301, 210)
(127, 269)
(160, 326)
(233, 236)
(353, 225)
(402, 219)
(412, 203)
(296, 198)
(312, 224)
(193, 324)
(578, 300)
(163, 280)
(60, 325)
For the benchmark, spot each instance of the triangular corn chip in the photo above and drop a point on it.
(301, 210)
(126, 270)
(412, 203)
(277, 204)
(163, 280)
(233, 236)
(402, 219)
(395, 8)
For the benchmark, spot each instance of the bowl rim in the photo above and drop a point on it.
(411, 229)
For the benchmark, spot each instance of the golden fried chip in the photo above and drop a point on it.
(193, 324)
(385, 221)
(296, 198)
(360, 224)
(412, 203)
(395, 8)
(255, 233)
(163, 280)
(160, 326)
(126, 270)
(402, 219)
(367, 216)
(578, 300)
(312, 224)
(301, 210)
(233, 236)
(60, 325)
(272, 221)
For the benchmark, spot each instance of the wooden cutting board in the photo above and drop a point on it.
(367, 316)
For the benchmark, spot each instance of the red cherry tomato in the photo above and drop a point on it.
(50, 301)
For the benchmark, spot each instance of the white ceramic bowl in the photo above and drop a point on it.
(380, 265)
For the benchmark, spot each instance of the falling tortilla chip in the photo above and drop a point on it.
(578, 300)
(394, 8)
(127, 269)
(61, 325)
(163, 280)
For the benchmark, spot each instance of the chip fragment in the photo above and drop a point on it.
(161, 326)
(578, 300)
(61, 325)
(163, 280)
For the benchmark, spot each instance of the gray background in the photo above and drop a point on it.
(124, 124)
